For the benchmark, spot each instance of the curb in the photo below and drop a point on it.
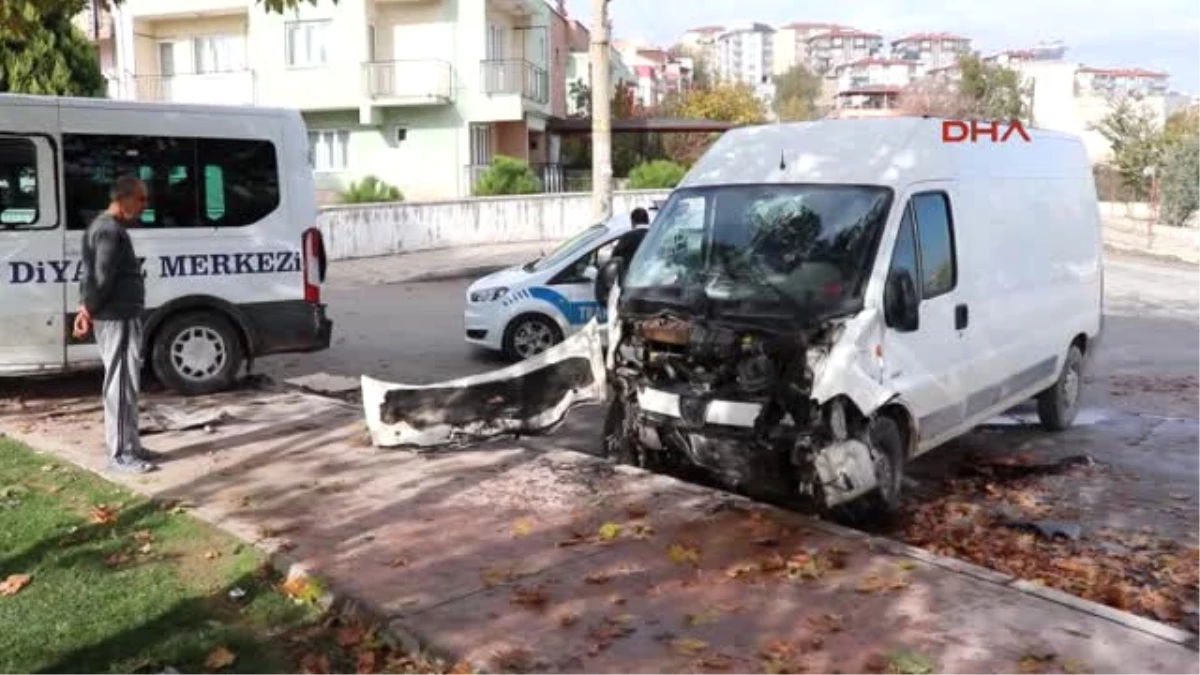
(451, 275)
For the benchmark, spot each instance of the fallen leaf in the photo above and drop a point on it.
(1075, 666)
(533, 598)
(366, 662)
(830, 623)
(906, 565)
(774, 563)
(616, 600)
(212, 555)
(683, 555)
(703, 618)
(314, 664)
(714, 662)
(1035, 663)
(689, 646)
(295, 586)
(143, 536)
(911, 663)
(876, 663)
(636, 511)
(144, 549)
(597, 578)
(609, 531)
(14, 583)
(350, 636)
(741, 570)
(102, 515)
(219, 659)
(498, 575)
(398, 562)
(522, 527)
(568, 620)
(641, 531)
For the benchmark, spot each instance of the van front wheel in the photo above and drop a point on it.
(1058, 405)
(197, 353)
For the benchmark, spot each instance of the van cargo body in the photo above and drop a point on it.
(230, 252)
(818, 303)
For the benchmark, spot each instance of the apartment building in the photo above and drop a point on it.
(579, 67)
(831, 48)
(873, 83)
(702, 42)
(745, 53)
(421, 93)
(931, 50)
(791, 43)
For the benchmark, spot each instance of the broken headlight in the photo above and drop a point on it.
(489, 294)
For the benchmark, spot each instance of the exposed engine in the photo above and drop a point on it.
(732, 399)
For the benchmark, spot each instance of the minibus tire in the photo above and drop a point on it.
(209, 327)
(881, 504)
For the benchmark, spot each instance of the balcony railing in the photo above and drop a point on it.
(228, 88)
(417, 81)
(516, 76)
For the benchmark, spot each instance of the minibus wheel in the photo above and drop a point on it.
(197, 353)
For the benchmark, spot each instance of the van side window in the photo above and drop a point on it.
(934, 232)
(192, 182)
(18, 184)
(904, 255)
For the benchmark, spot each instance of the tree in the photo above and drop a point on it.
(659, 174)
(47, 55)
(1180, 185)
(1181, 126)
(796, 94)
(1136, 142)
(735, 103)
(507, 176)
(580, 96)
(371, 190)
(984, 91)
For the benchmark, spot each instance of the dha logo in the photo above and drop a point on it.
(957, 131)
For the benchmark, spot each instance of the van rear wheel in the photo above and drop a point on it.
(197, 353)
(1058, 405)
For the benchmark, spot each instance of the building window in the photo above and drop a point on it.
(18, 184)
(220, 54)
(860, 42)
(306, 43)
(481, 144)
(191, 182)
(329, 150)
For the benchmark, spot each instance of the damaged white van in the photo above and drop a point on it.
(818, 303)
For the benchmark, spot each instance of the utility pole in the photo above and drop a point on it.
(601, 114)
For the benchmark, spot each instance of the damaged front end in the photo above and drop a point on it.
(530, 397)
(736, 400)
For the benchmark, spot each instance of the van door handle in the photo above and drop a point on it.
(960, 317)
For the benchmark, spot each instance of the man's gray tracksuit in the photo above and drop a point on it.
(114, 293)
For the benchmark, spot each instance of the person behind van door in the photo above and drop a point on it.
(112, 296)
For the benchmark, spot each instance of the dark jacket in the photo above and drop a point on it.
(112, 286)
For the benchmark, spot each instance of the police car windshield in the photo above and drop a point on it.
(568, 249)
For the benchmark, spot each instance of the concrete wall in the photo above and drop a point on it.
(387, 229)
(1146, 237)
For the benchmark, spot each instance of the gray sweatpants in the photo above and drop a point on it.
(120, 345)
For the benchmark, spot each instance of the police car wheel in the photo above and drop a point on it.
(197, 353)
(529, 335)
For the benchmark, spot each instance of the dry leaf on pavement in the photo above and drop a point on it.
(14, 583)
(705, 617)
(597, 578)
(609, 531)
(681, 554)
(689, 646)
(522, 527)
(533, 598)
(636, 511)
(219, 659)
(398, 562)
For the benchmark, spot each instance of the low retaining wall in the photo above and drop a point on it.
(364, 231)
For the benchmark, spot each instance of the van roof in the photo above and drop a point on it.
(119, 104)
(891, 151)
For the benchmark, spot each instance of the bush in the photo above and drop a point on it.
(1180, 185)
(507, 176)
(660, 174)
(371, 190)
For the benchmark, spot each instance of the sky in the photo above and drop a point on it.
(1156, 34)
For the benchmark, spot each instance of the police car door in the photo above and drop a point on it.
(34, 273)
(573, 290)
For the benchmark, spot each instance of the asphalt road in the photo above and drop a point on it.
(413, 334)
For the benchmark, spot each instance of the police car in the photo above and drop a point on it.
(526, 309)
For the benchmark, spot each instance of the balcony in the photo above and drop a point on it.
(409, 82)
(516, 76)
(228, 88)
(157, 9)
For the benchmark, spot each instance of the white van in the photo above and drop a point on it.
(231, 254)
(818, 303)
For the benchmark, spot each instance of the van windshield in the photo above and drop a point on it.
(568, 249)
(792, 249)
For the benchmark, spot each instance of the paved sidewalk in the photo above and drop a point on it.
(434, 265)
(519, 560)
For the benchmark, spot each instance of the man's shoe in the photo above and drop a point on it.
(130, 465)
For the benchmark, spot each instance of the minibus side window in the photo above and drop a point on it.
(19, 185)
(935, 232)
(192, 182)
(904, 255)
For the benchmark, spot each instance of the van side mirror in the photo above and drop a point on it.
(609, 275)
(901, 308)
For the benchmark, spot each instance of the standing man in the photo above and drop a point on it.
(112, 296)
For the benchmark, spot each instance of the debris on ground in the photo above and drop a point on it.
(1048, 529)
(163, 418)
